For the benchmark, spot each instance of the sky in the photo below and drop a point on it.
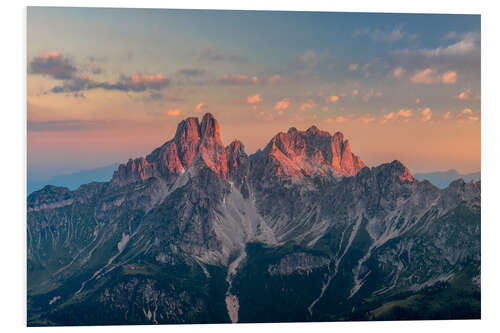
(106, 85)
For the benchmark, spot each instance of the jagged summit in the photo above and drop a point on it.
(312, 152)
(288, 155)
(192, 140)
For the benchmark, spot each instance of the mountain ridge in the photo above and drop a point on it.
(197, 225)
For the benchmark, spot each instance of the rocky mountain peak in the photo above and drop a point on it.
(209, 128)
(312, 152)
(395, 171)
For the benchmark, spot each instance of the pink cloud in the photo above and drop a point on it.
(426, 114)
(398, 72)
(333, 99)
(307, 105)
(282, 104)
(426, 76)
(430, 76)
(174, 112)
(464, 95)
(449, 77)
(52, 64)
(199, 107)
(254, 99)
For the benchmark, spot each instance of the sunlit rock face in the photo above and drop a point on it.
(191, 140)
(313, 152)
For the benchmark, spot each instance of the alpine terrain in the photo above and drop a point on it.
(301, 230)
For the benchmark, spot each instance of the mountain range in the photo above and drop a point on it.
(444, 178)
(301, 230)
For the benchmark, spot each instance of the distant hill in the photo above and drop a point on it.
(442, 179)
(74, 180)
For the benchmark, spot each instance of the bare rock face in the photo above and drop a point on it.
(311, 153)
(191, 139)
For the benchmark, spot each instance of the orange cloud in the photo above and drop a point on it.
(307, 105)
(426, 114)
(404, 113)
(464, 95)
(447, 115)
(282, 104)
(341, 119)
(200, 107)
(449, 77)
(254, 99)
(174, 112)
(430, 76)
(333, 99)
(425, 76)
(355, 92)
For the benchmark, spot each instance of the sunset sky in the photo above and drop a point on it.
(105, 85)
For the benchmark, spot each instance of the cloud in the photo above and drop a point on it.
(467, 49)
(64, 125)
(333, 99)
(378, 35)
(431, 76)
(447, 115)
(200, 107)
(468, 115)
(426, 114)
(425, 76)
(191, 72)
(282, 104)
(387, 117)
(341, 119)
(239, 79)
(468, 44)
(254, 99)
(307, 105)
(355, 92)
(464, 95)
(353, 67)
(398, 72)
(136, 83)
(404, 113)
(449, 77)
(52, 64)
(174, 112)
